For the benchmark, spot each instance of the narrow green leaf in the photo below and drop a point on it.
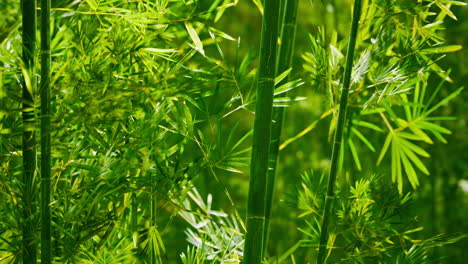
(407, 135)
(288, 86)
(410, 154)
(156, 50)
(413, 147)
(393, 163)
(432, 127)
(407, 107)
(412, 177)
(399, 174)
(363, 139)
(195, 38)
(283, 75)
(442, 49)
(459, 3)
(231, 133)
(221, 34)
(385, 147)
(417, 131)
(444, 101)
(439, 137)
(368, 125)
(372, 111)
(354, 153)
(446, 10)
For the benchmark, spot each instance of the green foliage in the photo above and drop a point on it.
(150, 99)
(373, 223)
(399, 51)
(128, 81)
(216, 236)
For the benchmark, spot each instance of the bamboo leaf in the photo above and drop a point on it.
(363, 139)
(288, 87)
(367, 124)
(444, 101)
(417, 131)
(156, 50)
(195, 38)
(410, 173)
(416, 161)
(407, 135)
(446, 10)
(355, 155)
(221, 34)
(414, 147)
(432, 127)
(283, 75)
(443, 49)
(385, 147)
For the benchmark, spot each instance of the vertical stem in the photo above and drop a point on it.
(134, 215)
(46, 255)
(261, 138)
(28, 8)
(288, 37)
(153, 211)
(327, 212)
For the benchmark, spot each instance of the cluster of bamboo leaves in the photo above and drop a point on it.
(399, 50)
(133, 86)
(390, 92)
(373, 223)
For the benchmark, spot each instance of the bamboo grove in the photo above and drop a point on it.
(227, 131)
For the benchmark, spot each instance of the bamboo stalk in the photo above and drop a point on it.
(288, 37)
(253, 249)
(153, 258)
(29, 248)
(327, 212)
(46, 254)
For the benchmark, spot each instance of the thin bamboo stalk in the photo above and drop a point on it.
(46, 254)
(327, 212)
(253, 249)
(153, 258)
(288, 37)
(28, 9)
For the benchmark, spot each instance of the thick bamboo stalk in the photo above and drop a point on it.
(288, 37)
(46, 254)
(28, 9)
(327, 212)
(253, 249)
